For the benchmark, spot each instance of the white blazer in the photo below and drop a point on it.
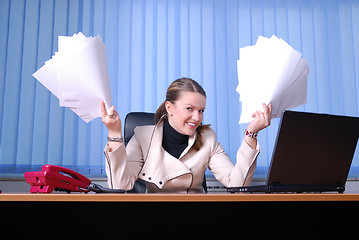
(145, 158)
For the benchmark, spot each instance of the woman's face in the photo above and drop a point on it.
(186, 114)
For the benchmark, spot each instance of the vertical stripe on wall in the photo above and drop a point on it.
(150, 44)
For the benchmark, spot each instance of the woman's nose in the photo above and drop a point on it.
(196, 116)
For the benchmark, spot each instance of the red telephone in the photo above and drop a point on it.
(52, 178)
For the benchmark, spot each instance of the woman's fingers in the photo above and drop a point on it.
(261, 119)
(104, 113)
(111, 120)
(108, 117)
(267, 113)
(111, 111)
(265, 108)
(103, 110)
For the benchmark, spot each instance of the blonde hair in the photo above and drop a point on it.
(174, 92)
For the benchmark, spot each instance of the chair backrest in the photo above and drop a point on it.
(134, 119)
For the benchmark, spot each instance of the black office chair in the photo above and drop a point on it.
(132, 120)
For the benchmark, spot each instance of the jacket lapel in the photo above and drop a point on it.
(191, 140)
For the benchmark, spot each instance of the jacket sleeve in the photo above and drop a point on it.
(123, 165)
(226, 172)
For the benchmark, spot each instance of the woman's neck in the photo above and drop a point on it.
(173, 142)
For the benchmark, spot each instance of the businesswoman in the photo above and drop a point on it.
(173, 155)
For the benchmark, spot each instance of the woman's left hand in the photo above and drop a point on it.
(261, 119)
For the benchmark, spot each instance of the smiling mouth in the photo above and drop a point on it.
(192, 125)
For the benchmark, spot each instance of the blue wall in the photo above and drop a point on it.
(151, 43)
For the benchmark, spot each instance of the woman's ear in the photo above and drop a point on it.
(169, 108)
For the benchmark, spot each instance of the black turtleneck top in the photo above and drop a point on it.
(173, 142)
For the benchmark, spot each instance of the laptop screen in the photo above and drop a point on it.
(313, 148)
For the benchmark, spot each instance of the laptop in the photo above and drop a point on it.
(313, 153)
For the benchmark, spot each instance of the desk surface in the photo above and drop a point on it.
(73, 197)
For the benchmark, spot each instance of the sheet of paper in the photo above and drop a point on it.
(78, 75)
(47, 76)
(270, 71)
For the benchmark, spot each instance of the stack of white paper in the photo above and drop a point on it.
(271, 72)
(78, 75)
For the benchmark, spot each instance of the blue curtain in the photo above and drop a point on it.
(149, 44)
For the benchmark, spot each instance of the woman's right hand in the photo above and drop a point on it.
(112, 121)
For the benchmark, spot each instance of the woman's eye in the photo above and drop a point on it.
(201, 111)
(189, 109)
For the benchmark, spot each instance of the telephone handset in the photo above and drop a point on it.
(54, 177)
(58, 178)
